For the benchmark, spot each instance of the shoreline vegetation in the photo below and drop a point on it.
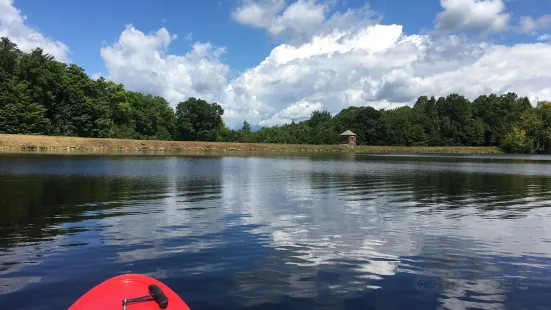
(44, 97)
(71, 145)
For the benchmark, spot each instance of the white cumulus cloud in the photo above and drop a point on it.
(12, 26)
(476, 16)
(258, 14)
(141, 62)
(300, 20)
(381, 66)
(358, 64)
(529, 24)
(544, 37)
(299, 110)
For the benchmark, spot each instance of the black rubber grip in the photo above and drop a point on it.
(158, 296)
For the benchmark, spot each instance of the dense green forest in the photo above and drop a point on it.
(39, 95)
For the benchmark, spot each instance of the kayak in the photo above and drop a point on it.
(130, 292)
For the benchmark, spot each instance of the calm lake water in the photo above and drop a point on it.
(281, 232)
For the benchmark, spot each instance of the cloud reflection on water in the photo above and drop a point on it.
(333, 228)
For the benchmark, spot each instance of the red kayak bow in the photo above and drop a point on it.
(130, 292)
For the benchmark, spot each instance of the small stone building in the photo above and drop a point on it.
(348, 138)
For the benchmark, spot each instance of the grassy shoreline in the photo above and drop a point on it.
(47, 144)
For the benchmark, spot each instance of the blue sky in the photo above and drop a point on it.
(438, 41)
(87, 25)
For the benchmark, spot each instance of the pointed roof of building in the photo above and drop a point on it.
(348, 133)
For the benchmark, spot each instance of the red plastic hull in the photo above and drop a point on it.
(110, 293)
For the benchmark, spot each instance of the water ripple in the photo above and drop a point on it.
(340, 231)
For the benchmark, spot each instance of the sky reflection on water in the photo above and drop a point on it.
(337, 232)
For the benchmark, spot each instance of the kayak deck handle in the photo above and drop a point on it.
(155, 293)
(158, 296)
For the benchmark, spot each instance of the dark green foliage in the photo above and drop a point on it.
(246, 127)
(517, 142)
(507, 121)
(39, 95)
(152, 116)
(198, 120)
(18, 115)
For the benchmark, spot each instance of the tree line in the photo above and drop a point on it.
(507, 121)
(39, 95)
